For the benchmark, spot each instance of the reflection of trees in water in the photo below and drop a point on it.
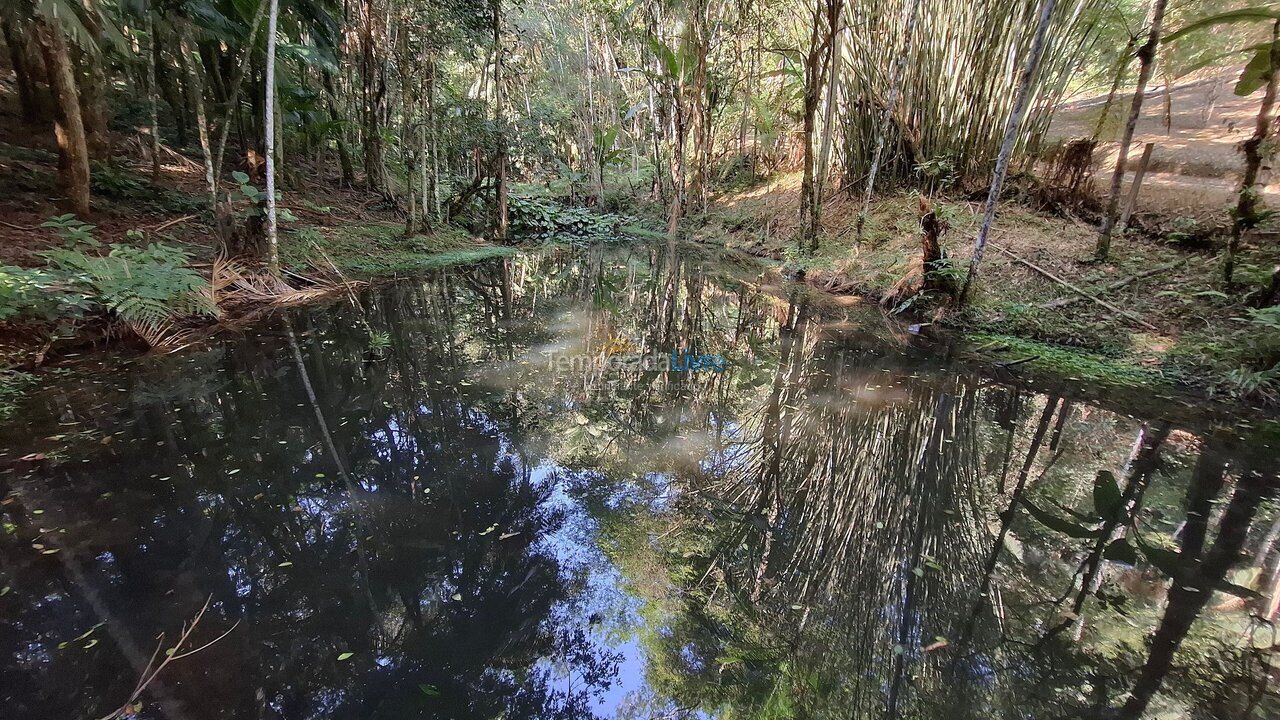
(407, 540)
(855, 558)
(823, 514)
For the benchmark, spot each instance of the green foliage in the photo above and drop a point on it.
(538, 219)
(39, 295)
(13, 385)
(72, 230)
(140, 285)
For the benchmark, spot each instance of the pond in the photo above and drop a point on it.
(485, 492)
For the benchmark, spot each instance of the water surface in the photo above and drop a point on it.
(484, 493)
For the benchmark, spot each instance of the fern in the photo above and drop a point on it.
(149, 286)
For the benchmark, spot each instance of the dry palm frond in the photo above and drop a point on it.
(233, 283)
(162, 334)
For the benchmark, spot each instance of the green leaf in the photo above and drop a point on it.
(1243, 15)
(429, 690)
(240, 177)
(1053, 522)
(1107, 500)
(345, 656)
(1255, 74)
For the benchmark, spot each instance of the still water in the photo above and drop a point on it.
(484, 493)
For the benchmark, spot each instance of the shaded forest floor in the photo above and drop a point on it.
(1176, 325)
(352, 232)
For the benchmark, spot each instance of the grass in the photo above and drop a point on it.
(1071, 364)
(13, 386)
(1202, 335)
(382, 249)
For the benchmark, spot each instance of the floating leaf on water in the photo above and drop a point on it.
(345, 656)
(429, 690)
(457, 596)
(504, 536)
(489, 529)
(286, 563)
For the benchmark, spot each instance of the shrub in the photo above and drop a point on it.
(39, 295)
(142, 286)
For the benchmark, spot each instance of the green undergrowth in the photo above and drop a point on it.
(382, 249)
(13, 387)
(1067, 363)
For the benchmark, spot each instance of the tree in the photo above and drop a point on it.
(268, 125)
(824, 27)
(1146, 61)
(1006, 148)
(68, 125)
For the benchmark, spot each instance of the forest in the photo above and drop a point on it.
(674, 359)
(169, 164)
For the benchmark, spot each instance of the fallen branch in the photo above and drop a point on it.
(150, 672)
(1117, 285)
(170, 223)
(1012, 363)
(18, 227)
(1083, 293)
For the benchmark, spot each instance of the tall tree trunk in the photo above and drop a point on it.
(814, 72)
(93, 108)
(237, 81)
(1146, 61)
(699, 120)
(195, 89)
(431, 164)
(344, 153)
(1246, 214)
(828, 118)
(891, 102)
(499, 120)
(268, 125)
(28, 98)
(1122, 65)
(373, 92)
(171, 90)
(152, 101)
(1006, 147)
(68, 126)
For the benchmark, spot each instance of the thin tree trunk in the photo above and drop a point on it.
(1122, 65)
(28, 99)
(1006, 147)
(344, 153)
(824, 153)
(152, 99)
(499, 120)
(273, 245)
(93, 88)
(1246, 214)
(886, 115)
(195, 89)
(233, 100)
(1146, 61)
(68, 126)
